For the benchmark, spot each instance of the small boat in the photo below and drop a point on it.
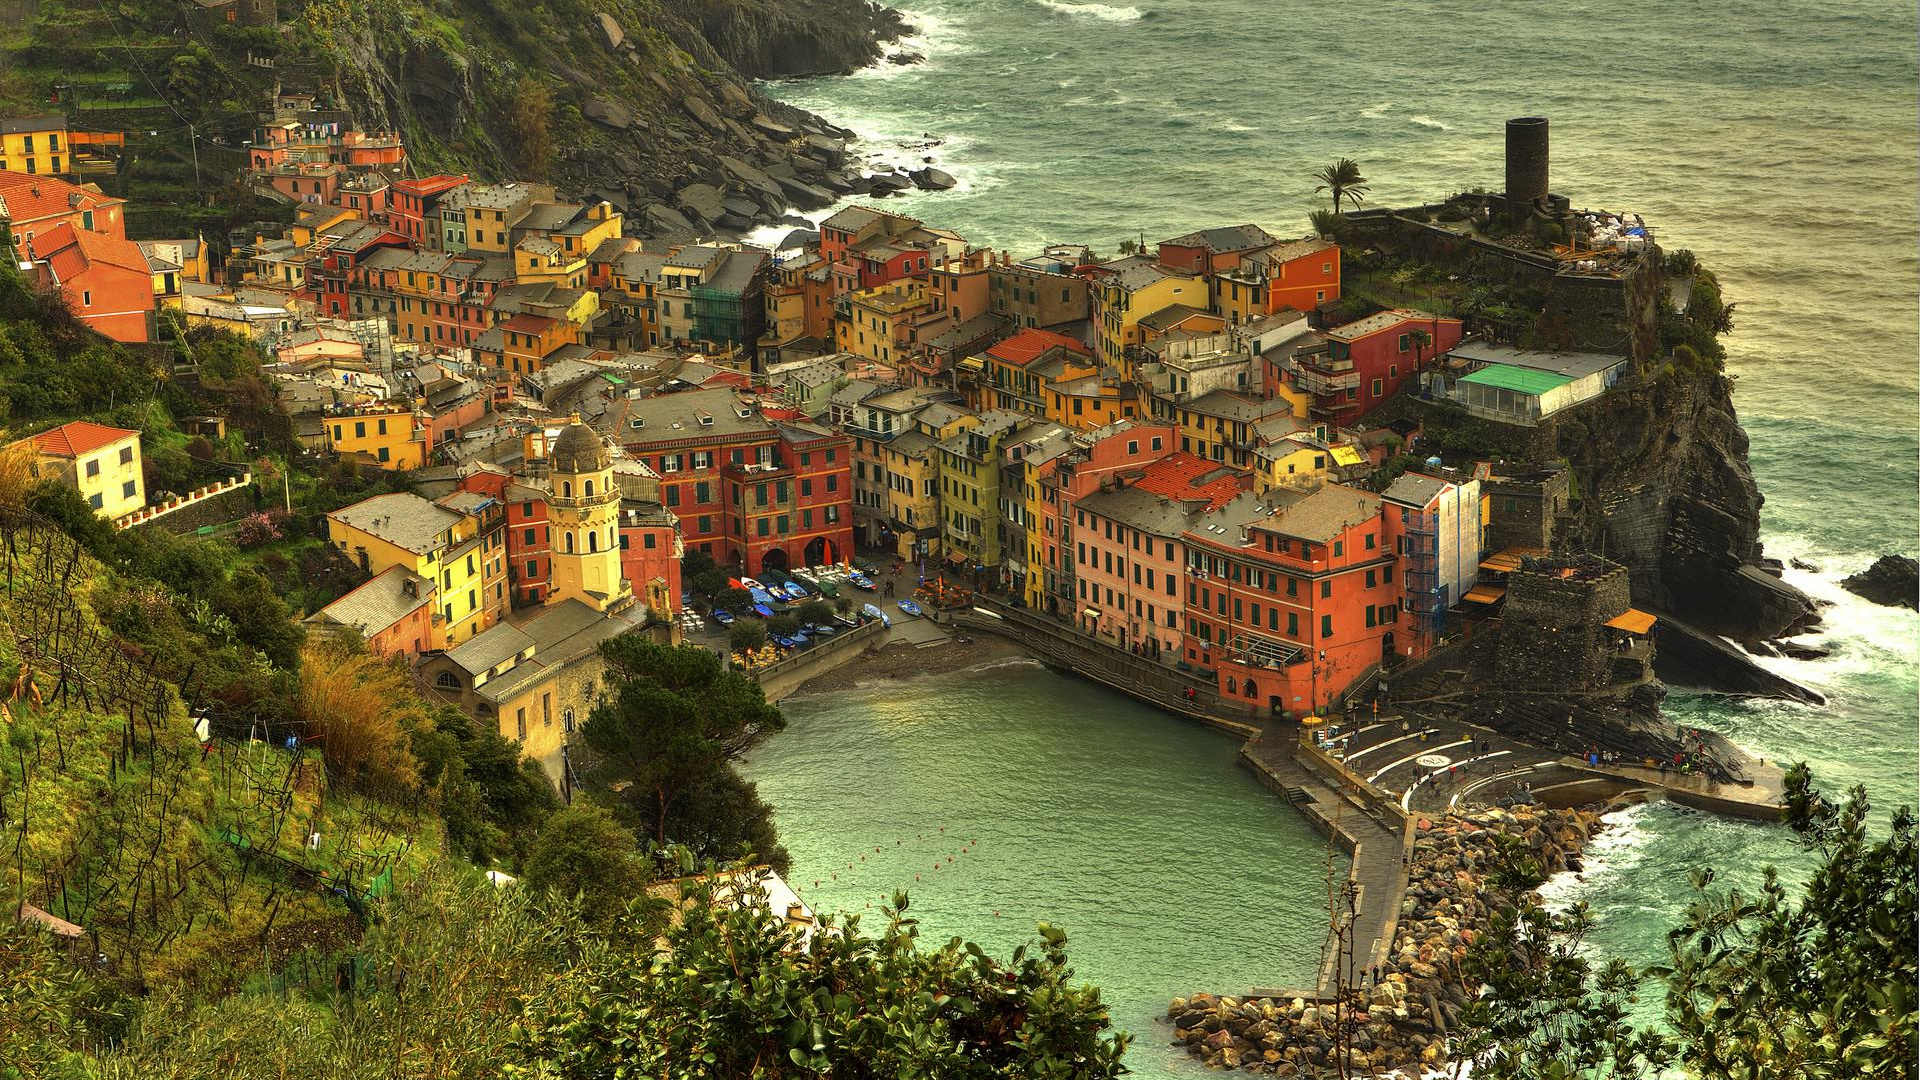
(861, 581)
(782, 640)
(748, 584)
(815, 629)
(763, 611)
(909, 607)
(723, 616)
(874, 612)
(847, 621)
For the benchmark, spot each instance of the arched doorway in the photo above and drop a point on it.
(774, 559)
(821, 550)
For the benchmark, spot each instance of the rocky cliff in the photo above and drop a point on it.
(1662, 482)
(647, 103)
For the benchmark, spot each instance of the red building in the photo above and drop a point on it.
(1349, 370)
(650, 552)
(1101, 458)
(106, 280)
(31, 204)
(413, 206)
(748, 491)
(1291, 599)
(865, 248)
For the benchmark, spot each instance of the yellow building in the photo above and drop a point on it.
(1130, 289)
(1219, 426)
(873, 323)
(458, 543)
(584, 517)
(1090, 401)
(912, 463)
(46, 146)
(493, 210)
(100, 462)
(386, 431)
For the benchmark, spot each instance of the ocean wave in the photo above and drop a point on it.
(1428, 121)
(1612, 851)
(1377, 111)
(1103, 12)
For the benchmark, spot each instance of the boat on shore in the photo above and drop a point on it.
(909, 607)
(873, 611)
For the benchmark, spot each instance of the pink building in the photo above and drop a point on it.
(1129, 555)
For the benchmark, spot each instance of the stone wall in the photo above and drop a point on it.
(220, 508)
(1525, 508)
(1552, 634)
(784, 677)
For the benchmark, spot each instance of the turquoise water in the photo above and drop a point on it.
(1775, 139)
(1010, 796)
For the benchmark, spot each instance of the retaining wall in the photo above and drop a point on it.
(785, 676)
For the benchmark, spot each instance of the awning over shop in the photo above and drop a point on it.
(1485, 594)
(956, 557)
(1506, 562)
(1346, 455)
(1092, 613)
(1633, 621)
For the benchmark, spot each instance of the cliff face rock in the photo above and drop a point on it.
(649, 104)
(780, 39)
(1666, 490)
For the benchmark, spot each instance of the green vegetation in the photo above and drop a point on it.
(1758, 985)
(662, 742)
(1344, 181)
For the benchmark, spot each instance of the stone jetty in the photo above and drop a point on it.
(1400, 1021)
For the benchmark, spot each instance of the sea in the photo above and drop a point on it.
(1776, 139)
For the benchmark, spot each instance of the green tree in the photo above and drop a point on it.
(1344, 180)
(696, 563)
(583, 852)
(530, 119)
(671, 718)
(747, 635)
(1758, 986)
(816, 611)
(735, 993)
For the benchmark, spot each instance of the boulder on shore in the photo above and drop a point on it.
(931, 179)
(1892, 580)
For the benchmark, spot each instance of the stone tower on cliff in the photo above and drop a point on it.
(584, 509)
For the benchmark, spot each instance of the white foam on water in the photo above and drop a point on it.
(1377, 111)
(1614, 850)
(1103, 12)
(1428, 121)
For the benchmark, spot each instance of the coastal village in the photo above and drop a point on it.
(1197, 469)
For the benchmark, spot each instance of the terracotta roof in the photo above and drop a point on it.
(524, 323)
(27, 198)
(72, 251)
(78, 437)
(1183, 476)
(1027, 346)
(430, 185)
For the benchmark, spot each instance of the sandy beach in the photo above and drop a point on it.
(901, 660)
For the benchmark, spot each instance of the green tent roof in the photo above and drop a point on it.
(1518, 379)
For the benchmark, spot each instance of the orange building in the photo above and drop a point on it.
(107, 281)
(33, 204)
(393, 612)
(1291, 598)
(1302, 275)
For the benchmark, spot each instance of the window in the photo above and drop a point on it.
(126, 455)
(1378, 388)
(1293, 624)
(566, 718)
(1371, 579)
(1326, 589)
(546, 710)
(533, 569)
(1405, 342)
(446, 681)
(126, 489)
(93, 467)
(1369, 541)
(520, 723)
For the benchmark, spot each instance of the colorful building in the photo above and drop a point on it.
(393, 612)
(1291, 598)
(101, 463)
(47, 146)
(458, 543)
(1350, 370)
(413, 208)
(1129, 289)
(1129, 550)
(1021, 372)
(389, 433)
(106, 280)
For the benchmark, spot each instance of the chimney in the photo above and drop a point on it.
(1526, 165)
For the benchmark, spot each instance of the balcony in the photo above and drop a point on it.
(1325, 385)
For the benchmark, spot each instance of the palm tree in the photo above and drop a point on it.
(1343, 179)
(1421, 340)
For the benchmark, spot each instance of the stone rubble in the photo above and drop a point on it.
(1401, 1029)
